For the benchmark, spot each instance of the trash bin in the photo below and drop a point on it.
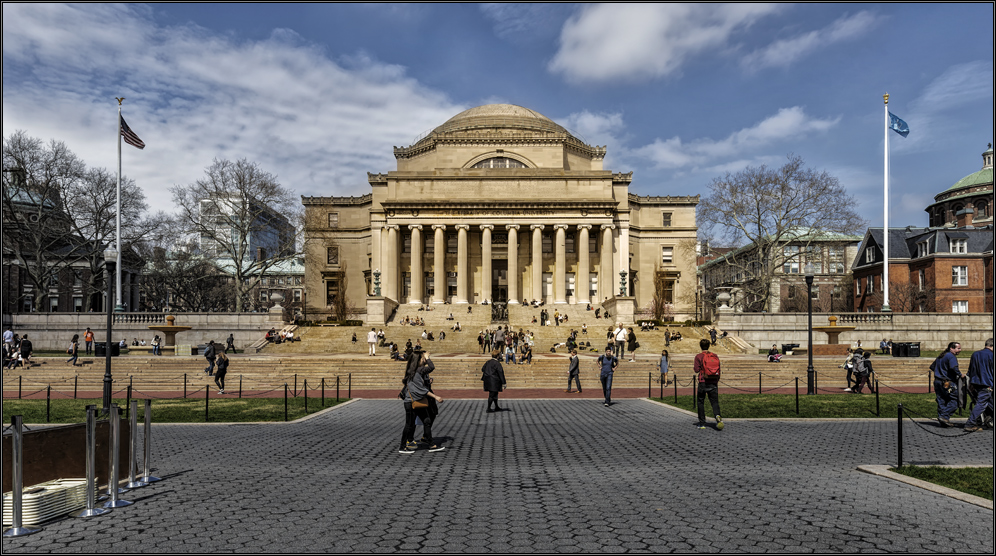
(900, 349)
(99, 349)
(913, 349)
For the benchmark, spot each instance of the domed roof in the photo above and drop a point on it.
(500, 115)
(982, 177)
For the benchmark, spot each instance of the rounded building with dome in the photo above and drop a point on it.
(500, 204)
(970, 199)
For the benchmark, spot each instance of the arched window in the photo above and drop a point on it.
(499, 162)
(981, 209)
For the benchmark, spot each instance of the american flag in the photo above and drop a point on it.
(129, 135)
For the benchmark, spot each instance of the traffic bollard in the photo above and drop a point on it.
(148, 477)
(133, 481)
(17, 529)
(113, 482)
(91, 466)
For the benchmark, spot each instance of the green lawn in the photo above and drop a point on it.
(178, 410)
(818, 406)
(977, 481)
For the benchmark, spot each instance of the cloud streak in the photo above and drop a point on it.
(785, 52)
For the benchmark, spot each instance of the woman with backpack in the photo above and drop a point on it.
(706, 366)
(219, 373)
(862, 370)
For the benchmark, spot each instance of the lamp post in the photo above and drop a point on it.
(377, 282)
(622, 283)
(810, 372)
(110, 261)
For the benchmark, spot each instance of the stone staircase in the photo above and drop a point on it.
(266, 372)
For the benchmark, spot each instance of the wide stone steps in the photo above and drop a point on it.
(263, 372)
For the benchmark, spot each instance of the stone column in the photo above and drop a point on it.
(439, 256)
(392, 262)
(537, 261)
(486, 261)
(462, 263)
(560, 264)
(376, 257)
(605, 281)
(581, 278)
(513, 263)
(624, 257)
(415, 296)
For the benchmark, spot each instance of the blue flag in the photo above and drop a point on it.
(898, 125)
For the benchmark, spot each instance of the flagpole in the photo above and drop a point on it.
(885, 229)
(118, 308)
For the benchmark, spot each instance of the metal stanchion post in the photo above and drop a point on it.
(650, 385)
(133, 482)
(17, 529)
(207, 399)
(323, 392)
(758, 383)
(240, 387)
(900, 431)
(91, 465)
(796, 395)
(305, 396)
(675, 379)
(19, 386)
(295, 385)
(113, 482)
(147, 477)
(184, 385)
(337, 388)
(349, 392)
(48, 404)
(76, 385)
(878, 411)
(285, 402)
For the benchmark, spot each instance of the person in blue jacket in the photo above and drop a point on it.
(946, 375)
(980, 376)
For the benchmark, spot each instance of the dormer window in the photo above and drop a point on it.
(959, 246)
(921, 249)
(869, 254)
(499, 162)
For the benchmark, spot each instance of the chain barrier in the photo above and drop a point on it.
(25, 395)
(917, 423)
(900, 390)
(246, 395)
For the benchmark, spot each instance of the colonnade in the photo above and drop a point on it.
(386, 256)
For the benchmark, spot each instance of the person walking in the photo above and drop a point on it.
(88, 340)
(408, 444)
(74, 350)
(230, 344)
(607, 365)
(707, 367)
(493, 376)
(980, 376)
(219, 375)
(209, 354)
(712, 335)
(25, 348)
(620, 335)
(573, 371)
(420, 392)
(946, 375)
(664, 365)
(848, 365)
(862, 370)
(631, 344)
(372, 341)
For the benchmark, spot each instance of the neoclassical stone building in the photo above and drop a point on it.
(500, 204)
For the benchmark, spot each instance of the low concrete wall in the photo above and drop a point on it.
(53, 331)
(932, 330)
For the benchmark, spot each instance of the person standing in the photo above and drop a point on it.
(712, 335)
(372, 341)
(408, 444)
(620, 336)
(664, 365)
(980, 375)
(667, 337)
(493, 376)
(74, 350)
(88, 340)
(946, 375)
(848, 365)
(573, 371)
(25, 349)
(632, 344)
(209, 354)
(607, 365)
(230, 344)
(707, 367)
(219, 376)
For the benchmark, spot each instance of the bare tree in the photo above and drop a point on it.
(767, 209)
(242, 215)
(37, 233)
(908, 297)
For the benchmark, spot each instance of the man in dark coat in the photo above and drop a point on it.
(493, 376)
(573, 371)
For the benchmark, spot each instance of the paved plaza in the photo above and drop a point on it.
(545, 476)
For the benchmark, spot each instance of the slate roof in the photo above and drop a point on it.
(903, 242)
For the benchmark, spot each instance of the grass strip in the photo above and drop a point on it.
(173, 410)
(977, 481)
(760, 406)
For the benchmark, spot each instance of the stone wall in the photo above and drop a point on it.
(932, 330)
(53, 331)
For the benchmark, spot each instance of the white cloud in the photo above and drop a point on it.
(524, 22)
(788, 123)
(784, 52)
(317, 123)
(644, 41)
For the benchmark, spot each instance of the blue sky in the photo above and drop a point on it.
(319, 94)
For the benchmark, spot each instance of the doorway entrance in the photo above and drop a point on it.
(499, 280)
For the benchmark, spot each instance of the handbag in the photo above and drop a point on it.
(419, 404)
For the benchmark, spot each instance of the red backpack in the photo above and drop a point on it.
(710, 366)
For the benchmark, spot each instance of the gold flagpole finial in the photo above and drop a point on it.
(121, 99)
(886, 97)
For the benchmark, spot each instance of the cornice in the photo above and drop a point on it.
(339, 201)
(665, 200)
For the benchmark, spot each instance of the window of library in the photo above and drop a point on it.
(297, 295)
(406, 245)
(451, 284)
(430, 246)
(666, 219)
(667, 255)
(430, 285)
(592, 244)
(547, 243)
(569, 243)
(451, 243)
(333, 254)
(333, 220)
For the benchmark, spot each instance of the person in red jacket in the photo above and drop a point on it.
(706, 366)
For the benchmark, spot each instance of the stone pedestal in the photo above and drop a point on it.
(622, 309)
(379, 309)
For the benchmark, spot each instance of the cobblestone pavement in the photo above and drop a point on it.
(547, 475)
